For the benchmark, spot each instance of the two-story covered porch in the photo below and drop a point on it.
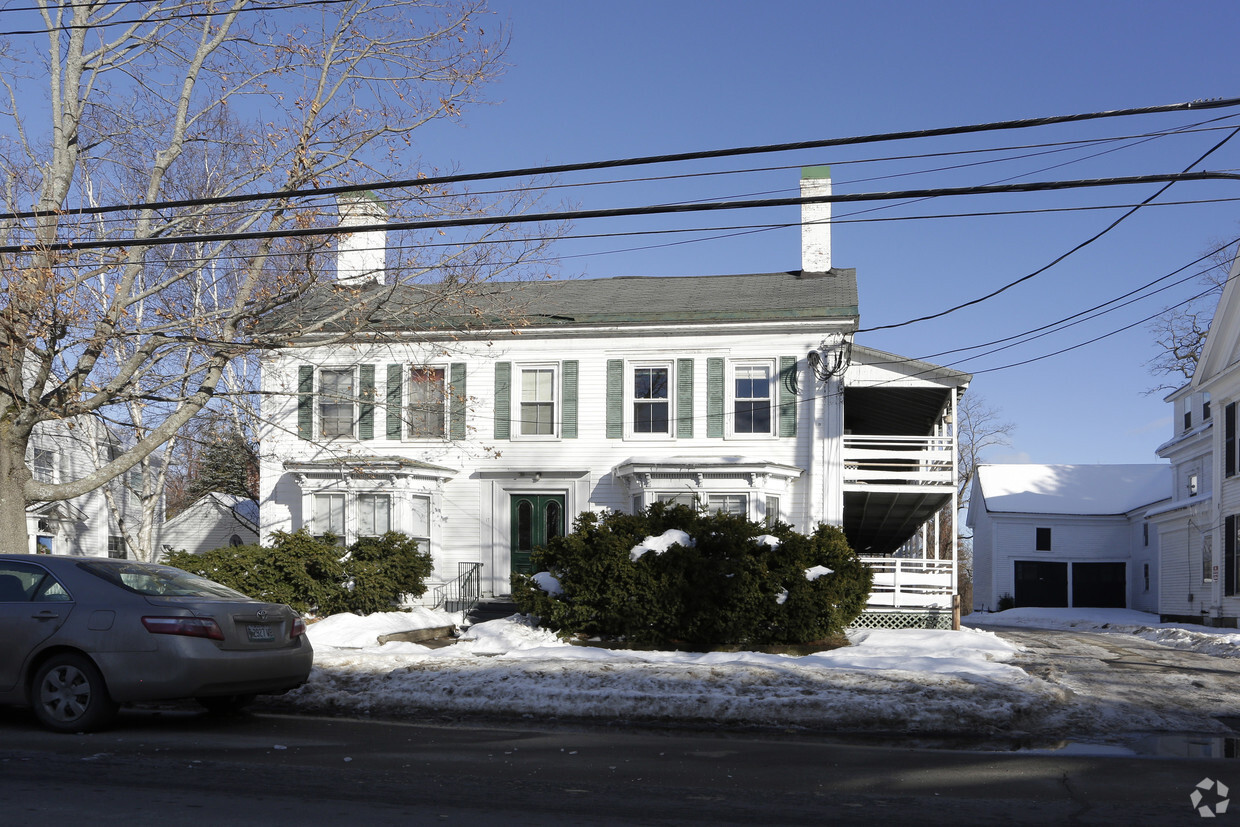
(899, 480)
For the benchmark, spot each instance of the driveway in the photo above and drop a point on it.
(1119, 683)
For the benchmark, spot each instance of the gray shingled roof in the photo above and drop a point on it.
(614, 301)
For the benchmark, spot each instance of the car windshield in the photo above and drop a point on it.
(160, 581)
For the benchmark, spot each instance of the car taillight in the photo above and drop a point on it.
(299, 628)
(188, 626)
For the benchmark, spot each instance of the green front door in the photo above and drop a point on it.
(536, 518)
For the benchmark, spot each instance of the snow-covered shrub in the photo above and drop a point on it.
(672, 574)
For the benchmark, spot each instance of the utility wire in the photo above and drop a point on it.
(1024, 123)
(1059, 258)
(660, 209)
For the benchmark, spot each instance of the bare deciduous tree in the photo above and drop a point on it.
(131, 314)
(1180, 332)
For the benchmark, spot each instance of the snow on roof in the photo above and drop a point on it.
(1072, 489)
(243, 507)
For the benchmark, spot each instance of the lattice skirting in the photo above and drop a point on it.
(906, 619)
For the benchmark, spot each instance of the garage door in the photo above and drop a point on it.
(1100, 585)
(1041, 583)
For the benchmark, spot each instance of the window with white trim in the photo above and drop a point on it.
(729, 504)
(678, 498)
(772, 511)
(650, 399)
(337, 402)
(752, 398)
(536, 411)
(1207, 559)
(427, 409)
(374, 515)
(420, 518)
(44, 465)
(328, 516)
(116, 547)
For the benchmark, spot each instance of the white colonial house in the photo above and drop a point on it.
(85, 525)
(482, 418)
(1199, 528)
(214, 520)
(1067, 535)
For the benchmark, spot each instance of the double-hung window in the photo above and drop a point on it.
(44, 465)
(329, 515)
(536, 414)
(374, 515)
(652, 406)
(427, 403)
(729, 504)
(337, 397)
(753, 389)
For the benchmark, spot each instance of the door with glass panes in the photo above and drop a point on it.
(535, 519)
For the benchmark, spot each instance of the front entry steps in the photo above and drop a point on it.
(491, 608)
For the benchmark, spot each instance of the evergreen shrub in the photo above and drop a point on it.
(726, 585)
(316, 576)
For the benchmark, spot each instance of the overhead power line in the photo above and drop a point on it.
(618, 212)
(1062, 256)
(1023, 123)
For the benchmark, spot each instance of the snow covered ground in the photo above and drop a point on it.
(918, 681)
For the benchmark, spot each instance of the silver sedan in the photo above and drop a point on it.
(82, 635)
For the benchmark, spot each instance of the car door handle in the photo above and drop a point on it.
(46, 614)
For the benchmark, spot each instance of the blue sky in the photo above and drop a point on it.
(590, 81)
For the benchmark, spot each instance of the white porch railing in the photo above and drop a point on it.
(902, 460)
(911, 583)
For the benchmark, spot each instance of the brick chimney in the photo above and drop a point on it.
(815, 221)
(361, 257)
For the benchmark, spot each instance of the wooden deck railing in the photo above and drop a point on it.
(908, 583)
(902, 460)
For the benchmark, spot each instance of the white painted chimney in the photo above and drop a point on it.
(361, 257)
(815, 221)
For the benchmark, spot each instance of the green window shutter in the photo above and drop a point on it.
(305, 401)
(366, 409)
(456, 400)
(684, 398)
(568, 418)
(715, 393)
(393, 400)
(503, 396)
(787, 396)
(615, 398)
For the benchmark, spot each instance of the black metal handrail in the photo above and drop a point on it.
(462, 593)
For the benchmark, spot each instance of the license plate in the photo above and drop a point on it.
(258, 632)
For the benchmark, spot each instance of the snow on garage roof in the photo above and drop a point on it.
(1072, 489)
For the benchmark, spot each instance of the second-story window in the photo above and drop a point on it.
(537, 411)
(427, 398)
(336, 402)
(44, 465)
(651, 400)
(751, 399)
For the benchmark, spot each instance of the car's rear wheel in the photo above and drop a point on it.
(225, 704)
(69, 695)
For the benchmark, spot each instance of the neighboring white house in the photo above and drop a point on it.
(83, 525)
(212, 521)
(482, 428)
(1067, 535)
(1201, 573)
